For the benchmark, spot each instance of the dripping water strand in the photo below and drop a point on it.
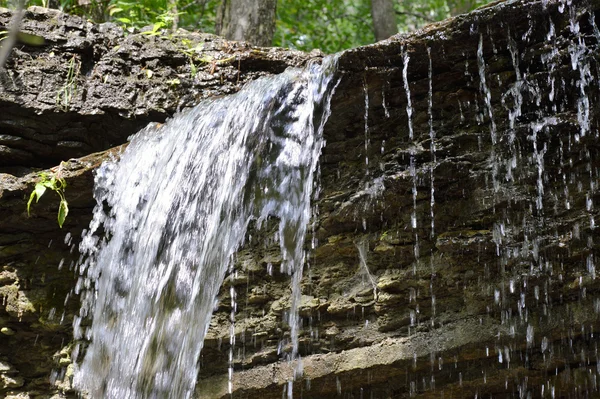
(386, 111)
(412, 157)
(515, 93)
(409, 109)
(366, 118)
(432, 138)
(538, 157)
(432, 179)
(579, 62)
(233, 295)
(487, 97)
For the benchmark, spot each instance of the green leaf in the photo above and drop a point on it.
(158, 26)
(55, 183)
(199, 48)
(114, 10)
(63, 211)
(39, 190)
(155, 29)
(30, 40)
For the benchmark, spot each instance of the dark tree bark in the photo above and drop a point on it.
(249, 20)
(384, 19)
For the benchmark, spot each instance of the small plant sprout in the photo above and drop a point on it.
(54, 182)
(66, 93)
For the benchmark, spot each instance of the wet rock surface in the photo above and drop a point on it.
(459, 261)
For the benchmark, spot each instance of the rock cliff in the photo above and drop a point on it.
(454, 246)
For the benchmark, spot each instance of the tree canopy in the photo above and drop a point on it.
(330, 25)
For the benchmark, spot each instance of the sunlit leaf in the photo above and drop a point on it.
(54, 182)
(114, 10)
(193, 69)
(63, 211)
(39, 190)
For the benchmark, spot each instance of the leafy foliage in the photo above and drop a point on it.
(190, 14)
(331, 25)
(414, 14)
(67, 91)
(55, 183)
(334, 25)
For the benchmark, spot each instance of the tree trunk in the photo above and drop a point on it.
(249, 20)
(173, 10)
(384, 19)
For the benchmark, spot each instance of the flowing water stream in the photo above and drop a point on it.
(170, 215)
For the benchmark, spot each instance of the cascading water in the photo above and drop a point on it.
(409, 112)
(171, 213)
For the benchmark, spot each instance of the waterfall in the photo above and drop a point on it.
(171, 213)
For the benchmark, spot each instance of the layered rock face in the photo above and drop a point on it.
(454, 244)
